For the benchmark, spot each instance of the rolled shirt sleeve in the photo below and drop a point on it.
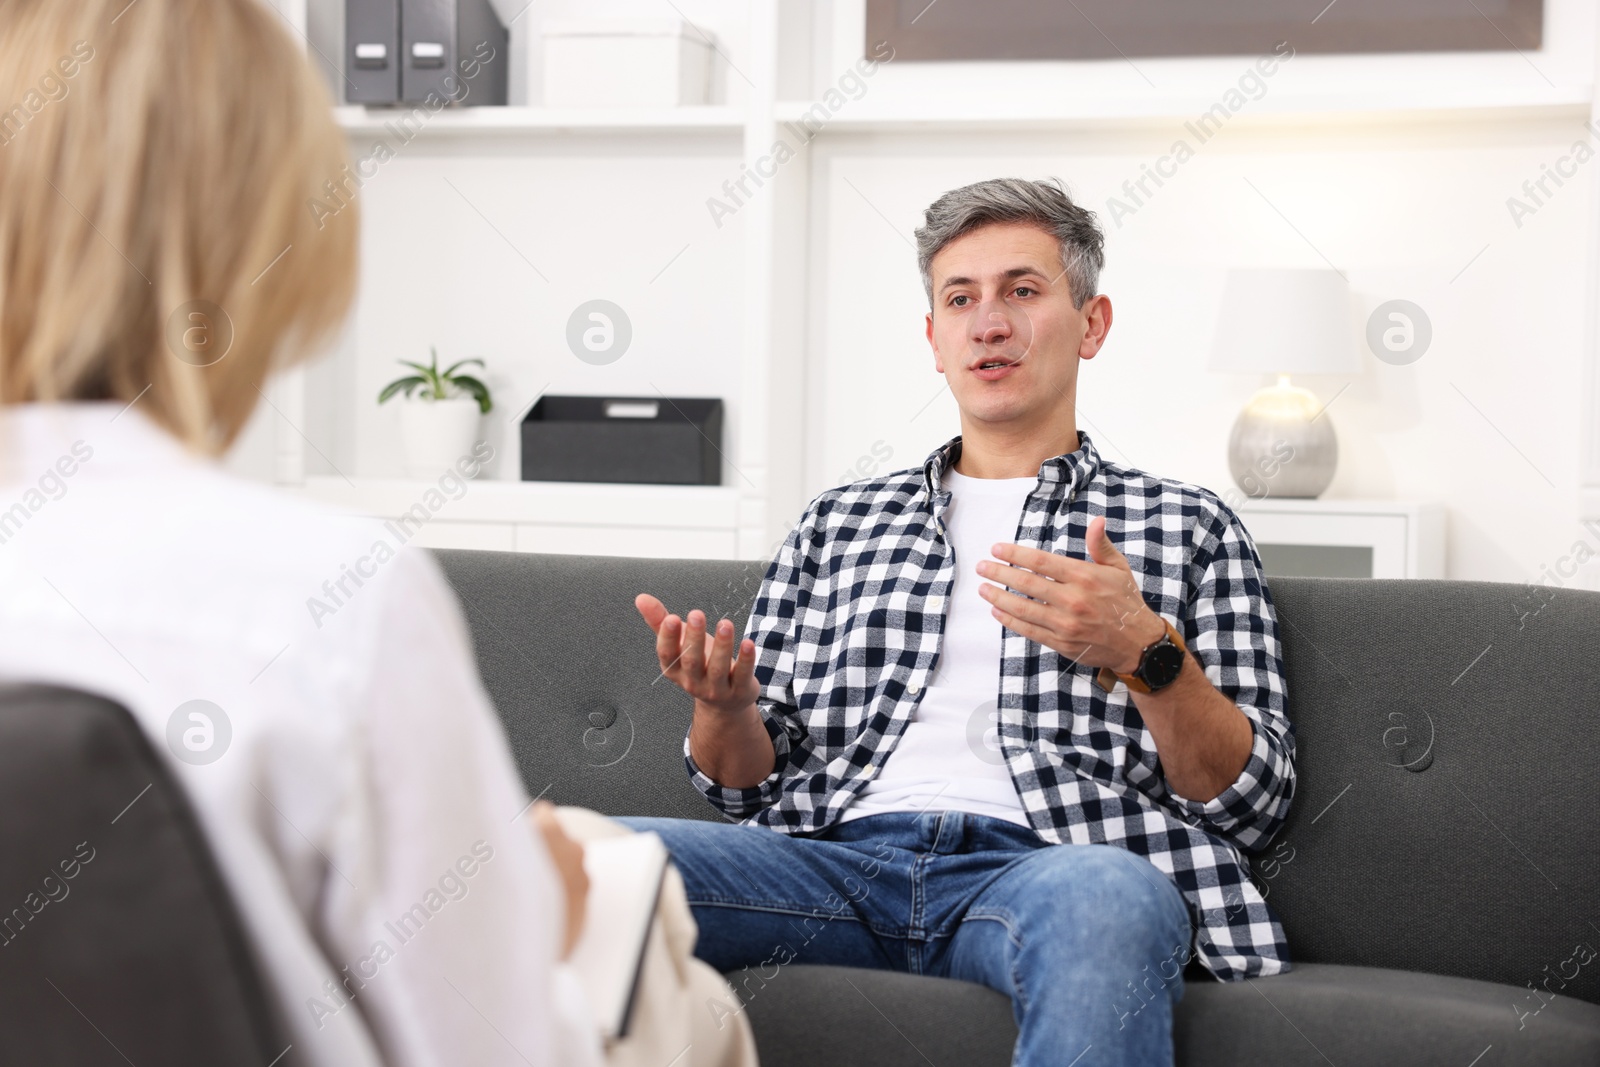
(1233, 631)
(742, 803)
(774, 626)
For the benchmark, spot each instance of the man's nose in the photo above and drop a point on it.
(991, 326)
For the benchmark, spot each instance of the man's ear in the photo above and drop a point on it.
(1097, 323)
(938, 361)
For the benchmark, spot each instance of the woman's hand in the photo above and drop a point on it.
(568, 857)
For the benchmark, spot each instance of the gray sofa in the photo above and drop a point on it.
(1438, 877)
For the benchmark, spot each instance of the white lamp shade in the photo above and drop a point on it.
(1279, 321)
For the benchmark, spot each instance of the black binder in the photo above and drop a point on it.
(422, 51)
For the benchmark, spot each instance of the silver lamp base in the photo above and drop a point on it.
(1277, 450)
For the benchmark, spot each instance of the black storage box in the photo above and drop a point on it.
(676, 441)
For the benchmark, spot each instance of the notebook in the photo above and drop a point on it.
(625, 877)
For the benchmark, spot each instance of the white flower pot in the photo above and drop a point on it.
(437, 434)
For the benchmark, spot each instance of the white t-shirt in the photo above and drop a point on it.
(949, 757)
(364, 810)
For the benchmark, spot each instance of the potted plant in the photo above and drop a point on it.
(439, 421)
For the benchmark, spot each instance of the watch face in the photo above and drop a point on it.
(1162, 664)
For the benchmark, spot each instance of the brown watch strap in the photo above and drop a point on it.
(1108, 678)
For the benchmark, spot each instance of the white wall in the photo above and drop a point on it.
(1408, 204)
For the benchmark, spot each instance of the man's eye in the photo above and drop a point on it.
(1024, 290)
(956, 298)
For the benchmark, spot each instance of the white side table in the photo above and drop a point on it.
(1347, 538)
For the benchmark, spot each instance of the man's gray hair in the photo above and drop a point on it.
(1043, 203)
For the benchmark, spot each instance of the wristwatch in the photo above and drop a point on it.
(1159, 665)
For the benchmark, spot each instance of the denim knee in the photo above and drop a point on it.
(1084, 892)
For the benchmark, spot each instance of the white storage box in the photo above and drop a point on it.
(625, 63)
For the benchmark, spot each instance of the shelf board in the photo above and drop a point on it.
(688, 507)
(1325, 506)
(1420, 107)
(1136, 112)
(470, 121)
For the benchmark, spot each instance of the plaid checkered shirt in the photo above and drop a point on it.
(847, 626)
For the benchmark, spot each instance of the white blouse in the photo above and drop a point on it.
(344, 761)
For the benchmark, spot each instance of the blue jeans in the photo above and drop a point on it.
(1088, 941)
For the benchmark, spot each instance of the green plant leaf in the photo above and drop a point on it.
(408, 384)
(479, 391)
(450, 373)
(440, 384)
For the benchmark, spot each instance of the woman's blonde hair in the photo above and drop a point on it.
(157, 160)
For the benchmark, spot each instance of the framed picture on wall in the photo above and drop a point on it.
(943, 30)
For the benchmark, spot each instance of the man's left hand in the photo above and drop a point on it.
(1089, 610)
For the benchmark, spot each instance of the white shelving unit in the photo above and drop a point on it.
(762, 434)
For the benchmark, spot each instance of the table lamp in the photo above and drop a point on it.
(1284, 322)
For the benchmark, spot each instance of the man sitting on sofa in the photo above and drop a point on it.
(1017, 645)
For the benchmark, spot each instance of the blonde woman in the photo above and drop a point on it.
(157, 265)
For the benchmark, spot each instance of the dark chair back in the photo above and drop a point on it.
(118, 940)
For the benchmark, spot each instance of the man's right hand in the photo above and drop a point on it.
(726, 738)
(708, 672)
